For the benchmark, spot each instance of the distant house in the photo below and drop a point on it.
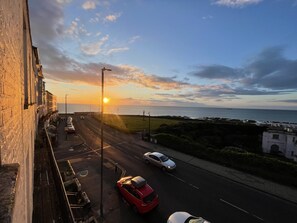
(51, 102)
(281, 142)
(40, 85)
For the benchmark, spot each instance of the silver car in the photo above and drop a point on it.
(159, 160)
(184, 217)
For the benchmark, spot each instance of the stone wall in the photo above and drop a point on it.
(17, 102)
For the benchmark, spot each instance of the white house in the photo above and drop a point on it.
(280, 142)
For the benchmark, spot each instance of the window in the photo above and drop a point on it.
(293, 139)
(164, 158)
(275, 136)
(131, 190)
(155, 158)
(150, 197)
(292, 153)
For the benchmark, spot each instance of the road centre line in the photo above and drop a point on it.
(191, 185)
(232, 205)
(194, 186)
(176, 177)
(258, 217)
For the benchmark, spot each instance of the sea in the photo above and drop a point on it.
(260, 115)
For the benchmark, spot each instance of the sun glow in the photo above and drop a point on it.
(105, 100)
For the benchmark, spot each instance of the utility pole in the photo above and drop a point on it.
(102, 112)
(66, 114)
(149, 127)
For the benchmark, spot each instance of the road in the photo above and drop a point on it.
(189, 188)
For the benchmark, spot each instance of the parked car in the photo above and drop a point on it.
(70, 129)
(184, 217)
(138, 194)
(159, 160)
(69, 120)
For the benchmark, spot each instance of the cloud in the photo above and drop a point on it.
(60, 67)
(207, 17)
(94, 48)
(47, 21)
(236, 3)
(112, 17)
(64, 1)
(292, 101)
(133, 39)
(268, 73)
(73, 28)
(217, 72)
(117, 50)
(88, 5)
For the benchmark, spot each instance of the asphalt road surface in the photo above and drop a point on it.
(188, 188)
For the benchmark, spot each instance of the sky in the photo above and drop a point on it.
(213, 53)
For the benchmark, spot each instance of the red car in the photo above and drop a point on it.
(138, 194)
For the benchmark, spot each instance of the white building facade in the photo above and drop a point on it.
(281, 143)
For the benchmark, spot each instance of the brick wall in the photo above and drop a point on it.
(17, 125)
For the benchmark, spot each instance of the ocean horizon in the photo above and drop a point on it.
(261, 115)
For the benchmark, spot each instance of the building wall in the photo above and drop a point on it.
(291, 146)
(268, 141)
(17, 98)
(286, 141)
(51, 102)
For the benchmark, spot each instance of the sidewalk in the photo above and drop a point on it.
(83, 158)
(281, 191)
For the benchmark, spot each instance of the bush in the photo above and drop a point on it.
(266, 167)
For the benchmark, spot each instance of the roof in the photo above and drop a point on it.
(157, 154)
(138, 181)
(141, 186)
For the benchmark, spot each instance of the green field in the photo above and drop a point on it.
(135, 123)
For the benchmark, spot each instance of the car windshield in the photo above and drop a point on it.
(149, 198)
(195, 220)
(164, 158)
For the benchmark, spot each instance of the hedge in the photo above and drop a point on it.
(263, 166)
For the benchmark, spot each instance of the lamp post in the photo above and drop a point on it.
(102, 112)
(66, 112)
(149, 127)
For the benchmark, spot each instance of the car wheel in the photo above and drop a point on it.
(147, 162)
(164, 168)
(134, 208)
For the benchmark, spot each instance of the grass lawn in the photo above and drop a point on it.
(135, 123)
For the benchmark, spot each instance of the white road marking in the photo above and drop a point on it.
(258, 217)
(176, 177)
(232, 205)
(105, 147)
(194, 186)
(47, 177)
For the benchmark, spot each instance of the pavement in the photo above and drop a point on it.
(82, 157)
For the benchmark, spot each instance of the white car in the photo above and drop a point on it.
(70, 129)
(184, 217)
(159, 160)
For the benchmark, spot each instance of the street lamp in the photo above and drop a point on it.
(149, 127)
(102, 111)
(66, 112)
